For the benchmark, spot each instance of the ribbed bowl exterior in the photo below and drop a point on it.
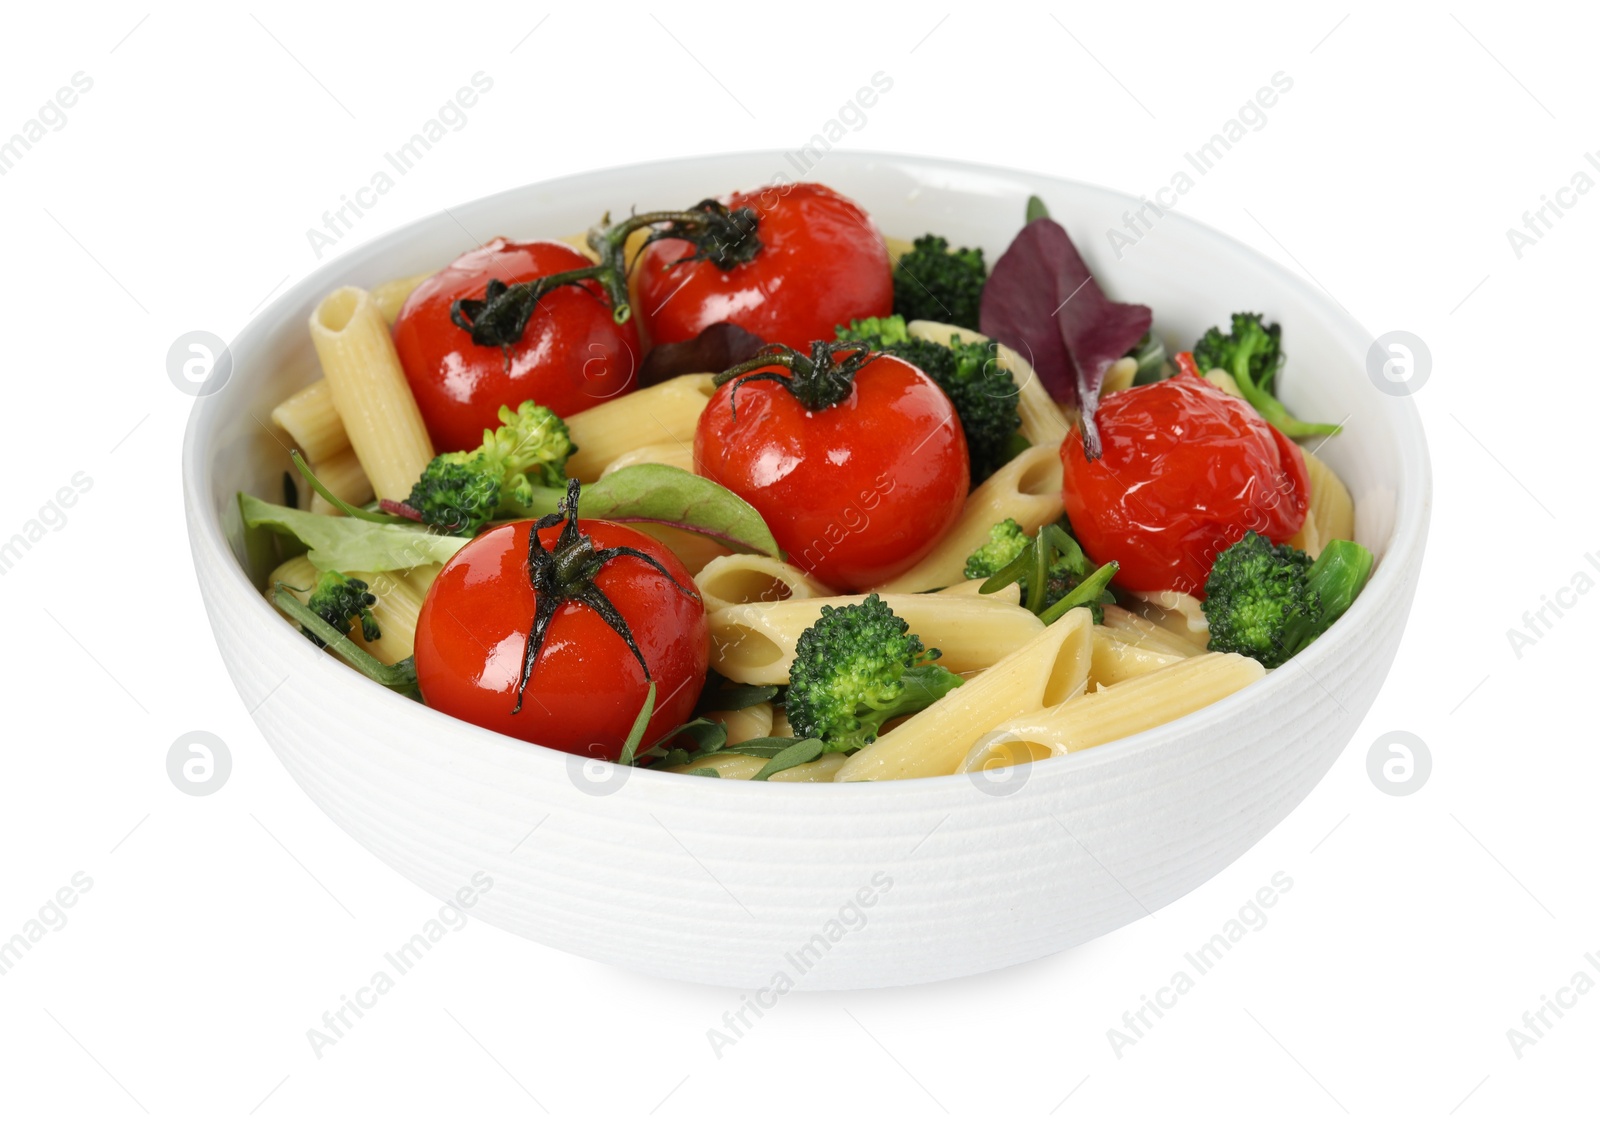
(827, 887)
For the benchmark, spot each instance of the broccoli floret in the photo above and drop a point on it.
(855, 668)
(984, 394)
(1071, 579)
(1271, 601)
(934, 282)
(1006, 543)
(1252, 354)
(338, 599)
(461, 491)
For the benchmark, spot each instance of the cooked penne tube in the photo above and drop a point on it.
(421, 577)
(1119, 377)
(737, 766)
(1177, 612)
(1117, 711)
(755, 643)
(1148, 635)
(749, 578)
(680, 455)
(370, 391)
(1011, 593)
(313, 422)
(896, 248)
(691, 549)
(297, 573)
(746, 724)
(1118, 657)
(341, 473)
(1330, 512)
(663, 413)
(1028, 488)
(396, 614)
(1051, 668)
(390, 296)
(780, 724)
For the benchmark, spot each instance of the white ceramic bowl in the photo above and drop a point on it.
(756, 884)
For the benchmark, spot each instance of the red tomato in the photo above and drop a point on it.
(822, 264)
(571, 356)
(855, 493)
(587, 687)
(1187, 470)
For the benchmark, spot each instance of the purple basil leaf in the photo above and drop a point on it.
(1048, 307)
(716, 347)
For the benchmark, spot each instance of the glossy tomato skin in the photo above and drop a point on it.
(587, 687)
(855, 493)
(1187, 470)
(822, 264)
(571, 356)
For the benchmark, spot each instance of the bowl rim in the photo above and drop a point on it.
(1413, 494)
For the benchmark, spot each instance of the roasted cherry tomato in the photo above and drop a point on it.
(587, 685)
(571, 355)
(821, 263)
(1187, 470)
(856, 461)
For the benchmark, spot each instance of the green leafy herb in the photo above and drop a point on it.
(347, 545)
(640, 723)
(799, 753)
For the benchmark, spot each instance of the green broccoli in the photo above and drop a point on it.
(338, 599)
(1252, 354)
(983, 393)
(855, 668)
(1069, 578)
(935, 283)
(460, 492)
(1271, 601)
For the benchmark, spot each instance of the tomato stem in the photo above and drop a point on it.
(818, 381)
(719, 235)
(567, 574)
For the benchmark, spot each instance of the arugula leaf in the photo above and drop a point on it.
(348, 545)
(725, 694)
(640, 724)
(711, 772)
(798, 753)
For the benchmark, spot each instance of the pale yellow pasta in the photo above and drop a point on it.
(693, 550)
(1330, 512)
(421, 578)
(390, 296)
(746, 724)
(341, 473)
(663, 413)
(737, 766)
(780, 724)
(1119, 376)
(1223, 379)
(1028, 488)
(1118, 656)
(749, 578)
(297, 573)
(680, 455)
(580, 243)
(313, 422)
(370, 391)
(1011, 593)
(1117, 711)
(395, 614)
(896, 248)
(755, 643)
(1051, 668)
(1178, 612)
(1150, 635)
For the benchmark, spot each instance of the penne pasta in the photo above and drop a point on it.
(896, 248)
(1118, 656)
(737, 766)
(1050, 669)
(780, 724)
(396, 614)
(370, 391)
(1011, 593)
(755, 643)
(1143, 633)
(1028, 488)
(313, 423)
(1119, 377)
(749, 578)
(663, 413)
(1177, 612)
(390, 297)
(1044, 422)
(694, 551)
(421, 578)
(1330, 512)
(680, 455)
(746, 724)
(297, 573)
(341, 473)
(1117, 711)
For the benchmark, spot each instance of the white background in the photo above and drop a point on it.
(219, 929)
